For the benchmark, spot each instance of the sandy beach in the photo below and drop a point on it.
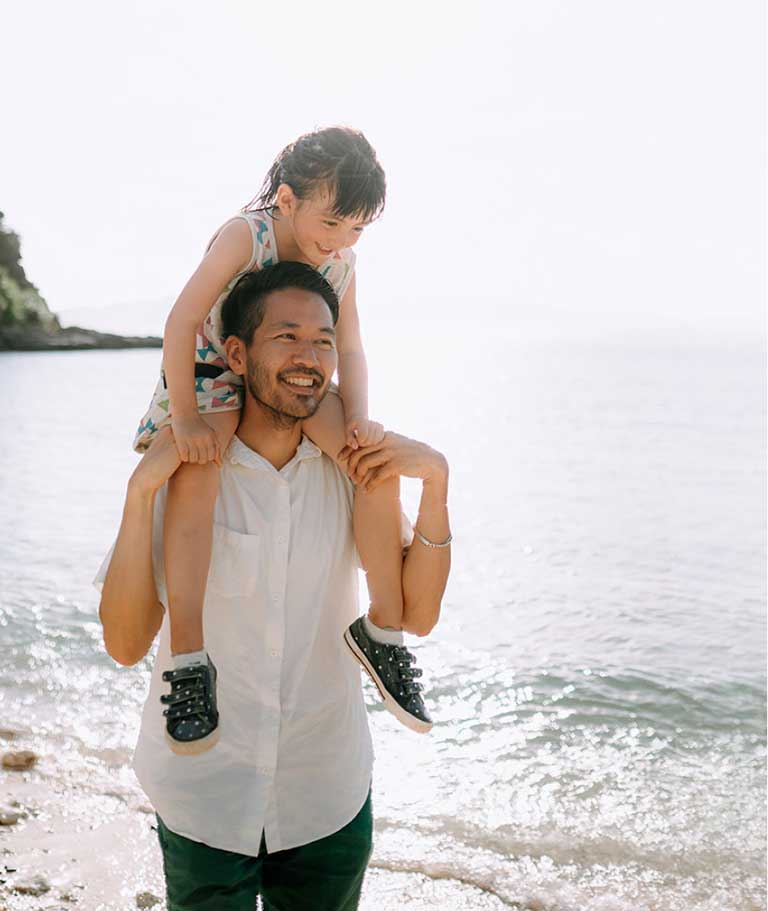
(79, 845)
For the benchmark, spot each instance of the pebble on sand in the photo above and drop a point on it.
(20, 761)
(10, 815)
(147, 900)
(32, 885)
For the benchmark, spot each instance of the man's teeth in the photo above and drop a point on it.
(297, 382)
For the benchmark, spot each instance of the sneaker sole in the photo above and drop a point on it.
(193, 747)
(415, 724)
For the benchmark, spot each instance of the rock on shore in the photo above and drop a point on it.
(26, 322)
(73, 338)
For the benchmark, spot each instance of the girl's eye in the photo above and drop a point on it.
(331, 224)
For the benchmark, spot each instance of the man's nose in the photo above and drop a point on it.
(306, 355)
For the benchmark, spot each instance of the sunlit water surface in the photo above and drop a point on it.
(598, 673)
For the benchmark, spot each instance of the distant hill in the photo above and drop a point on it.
(27, 324)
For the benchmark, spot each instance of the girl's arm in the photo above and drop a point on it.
(228, 254)
(353, 374)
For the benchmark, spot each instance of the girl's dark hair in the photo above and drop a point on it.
(243, 311)
(337, 158)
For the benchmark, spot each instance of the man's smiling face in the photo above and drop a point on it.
(292, 355)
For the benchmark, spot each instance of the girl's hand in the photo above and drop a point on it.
(196, 441)
(361, 432)
(396, 456)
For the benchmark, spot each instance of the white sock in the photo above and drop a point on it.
(188, 658)
(380, 634)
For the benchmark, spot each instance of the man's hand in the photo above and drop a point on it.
(361, 432)
(395, 456)
(157, 464)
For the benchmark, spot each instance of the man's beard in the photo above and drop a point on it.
(284, 409)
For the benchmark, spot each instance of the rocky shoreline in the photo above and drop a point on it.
(72, 338)
(26, 321)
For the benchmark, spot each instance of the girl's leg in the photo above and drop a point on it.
(188, 538)
(376, 520)
(376, 641)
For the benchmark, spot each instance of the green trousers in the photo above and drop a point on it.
(324, 875)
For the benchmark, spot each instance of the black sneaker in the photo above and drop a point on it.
(192, 721)
(389, 666)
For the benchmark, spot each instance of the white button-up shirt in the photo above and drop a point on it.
(295, 757)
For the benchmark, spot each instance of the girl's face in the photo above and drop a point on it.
(318, 233)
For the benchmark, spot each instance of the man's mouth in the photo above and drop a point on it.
(300, 383)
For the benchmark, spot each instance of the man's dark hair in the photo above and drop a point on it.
(243, 310)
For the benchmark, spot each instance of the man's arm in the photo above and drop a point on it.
(130, 611)
(425, 568)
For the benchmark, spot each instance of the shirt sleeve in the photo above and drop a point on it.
(406, 530)
(157, 553)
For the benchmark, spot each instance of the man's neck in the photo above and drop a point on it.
(262, 430)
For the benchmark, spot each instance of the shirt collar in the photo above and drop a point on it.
(240, 454)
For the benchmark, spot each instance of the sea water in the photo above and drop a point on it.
(597, 676)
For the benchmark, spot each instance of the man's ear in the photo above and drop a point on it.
(286, 200)
(235, 351)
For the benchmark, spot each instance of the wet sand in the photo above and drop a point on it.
(95, 850)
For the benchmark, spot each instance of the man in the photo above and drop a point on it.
(281, 806)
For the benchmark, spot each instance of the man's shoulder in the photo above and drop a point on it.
(332, 468)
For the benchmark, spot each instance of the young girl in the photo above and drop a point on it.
(319, 195)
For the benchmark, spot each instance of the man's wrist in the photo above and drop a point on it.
(438, 469)
(139, 494)
(435, 483)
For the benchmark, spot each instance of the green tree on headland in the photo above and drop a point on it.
(20, 301)
(26, 323)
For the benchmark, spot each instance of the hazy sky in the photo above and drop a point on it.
(594, 160)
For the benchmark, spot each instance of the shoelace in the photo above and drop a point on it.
(185, 698)
(407, 673)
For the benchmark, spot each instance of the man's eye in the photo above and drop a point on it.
(325, 342)
(289, 335)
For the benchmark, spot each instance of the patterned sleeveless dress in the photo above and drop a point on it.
(217, 387)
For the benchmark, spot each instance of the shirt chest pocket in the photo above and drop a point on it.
(235, 564)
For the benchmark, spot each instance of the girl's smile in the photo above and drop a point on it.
(308, 229)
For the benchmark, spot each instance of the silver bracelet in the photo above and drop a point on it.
(429, 543)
